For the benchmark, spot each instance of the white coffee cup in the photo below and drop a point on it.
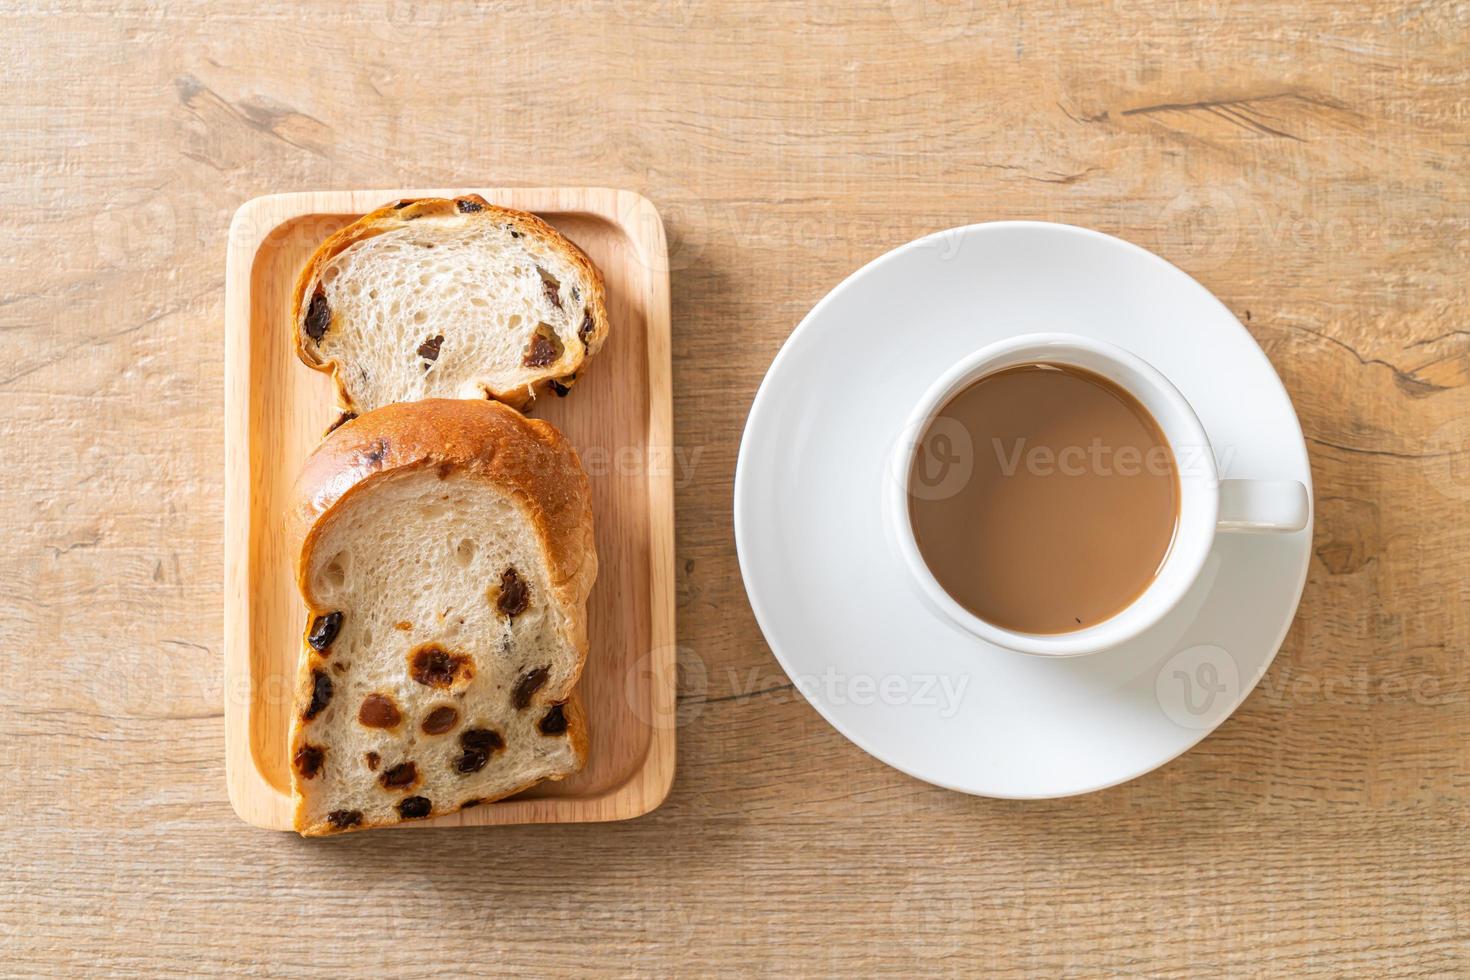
(1207, 505)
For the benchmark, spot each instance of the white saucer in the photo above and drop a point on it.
(835, 604)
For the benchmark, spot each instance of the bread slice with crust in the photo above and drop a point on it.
(448, 298)
(446, 554)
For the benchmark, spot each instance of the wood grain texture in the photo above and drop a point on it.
(1305, 160)
(620, 424)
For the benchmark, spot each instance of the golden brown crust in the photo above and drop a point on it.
(399, 214)
(528, 459)
(576, 728)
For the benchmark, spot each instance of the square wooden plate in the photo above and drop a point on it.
(619, 418)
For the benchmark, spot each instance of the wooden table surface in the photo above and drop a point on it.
(1305, 160)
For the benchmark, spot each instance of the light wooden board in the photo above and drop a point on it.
(1321, 832)
(618, 419)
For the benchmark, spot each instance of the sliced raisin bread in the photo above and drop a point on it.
(440, 298)
(445, 560)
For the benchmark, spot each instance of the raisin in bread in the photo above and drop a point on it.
(440, 298)
(445, 560)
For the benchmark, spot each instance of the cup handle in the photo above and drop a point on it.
(1262, 505)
